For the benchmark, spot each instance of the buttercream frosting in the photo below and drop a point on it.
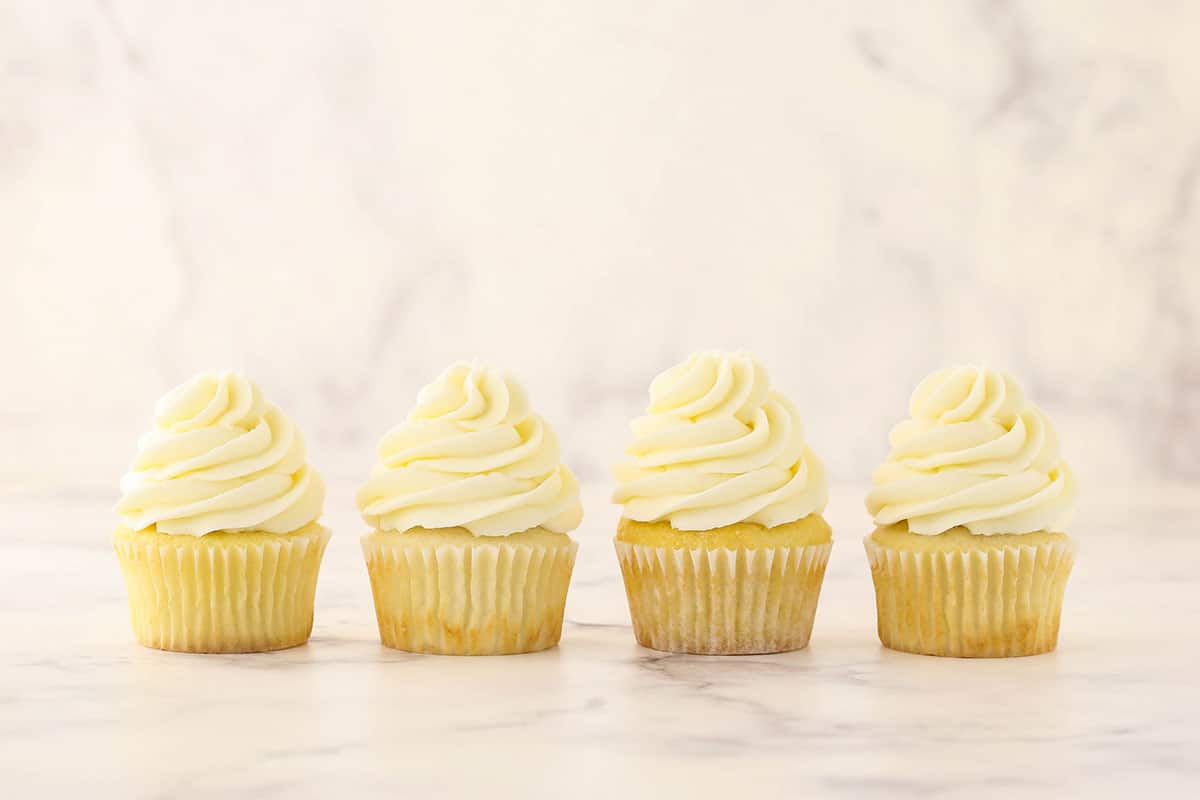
(974, 453)
(718, 446)
(472, 454)
(218, 457)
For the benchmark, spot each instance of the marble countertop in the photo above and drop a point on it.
(1112, 712)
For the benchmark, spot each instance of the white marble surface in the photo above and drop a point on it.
(344, 197)
(83, 709)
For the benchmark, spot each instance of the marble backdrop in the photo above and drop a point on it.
(340, 198)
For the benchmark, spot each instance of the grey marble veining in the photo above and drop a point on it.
(343, 200)
(1111, 713)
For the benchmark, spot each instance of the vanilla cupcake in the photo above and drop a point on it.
(219, 540)
(721, 542)
(470, 506)
(970, 557)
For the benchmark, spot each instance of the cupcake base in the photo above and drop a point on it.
(225, 592)
(968, 596)
(739, 590)
(449, 592)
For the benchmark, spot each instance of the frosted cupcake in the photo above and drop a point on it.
(470, 506)
(970, 557)
(219, 540)
(721, 542)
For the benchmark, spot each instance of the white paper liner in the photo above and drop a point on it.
(723, 601)
(486, 597)
(238, 596)
(984, 603)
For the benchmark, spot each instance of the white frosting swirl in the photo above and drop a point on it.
(718, 447)
(220, 458)
(974, 454)
(471, 455)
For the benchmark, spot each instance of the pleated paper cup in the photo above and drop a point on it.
(450, 593)
(989, 598)
(226, 592)
(723, 601)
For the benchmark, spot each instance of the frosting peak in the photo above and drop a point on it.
(974, 453)
(219, 457)
(710, 385)
(471, 454)
(717, 447)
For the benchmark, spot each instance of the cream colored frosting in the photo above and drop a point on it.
(220, 458)
(717, 447)
(472, 455)
(975, 453)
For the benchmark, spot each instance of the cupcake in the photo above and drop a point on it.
(970, 557)
(218, 537)
(470, 507)
(721, 543)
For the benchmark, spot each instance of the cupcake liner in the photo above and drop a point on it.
(723, 601)
(488, 596)
(980, 603)
(235, 593)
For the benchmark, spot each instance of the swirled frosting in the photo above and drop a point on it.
(218, 457)
(716, 447)
(473, 455)
(975, 453)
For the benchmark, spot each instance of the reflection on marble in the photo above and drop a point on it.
(1111, 713)
(344, 198)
